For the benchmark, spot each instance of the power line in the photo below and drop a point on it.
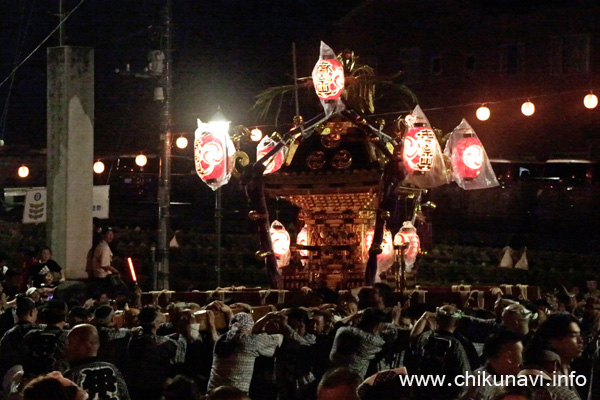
(42, 43)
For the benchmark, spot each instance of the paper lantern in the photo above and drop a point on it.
(280, 239)
(483, 113)
(98, 167)
(528, 108)
(141, 160)
(408, 235)
(302, 239)
(467, 157)
(213, 153)
(181, 142)
(386, 258)
(23, 171)
(328, 79)
(419, 150)
(590, 101)
(256, 134)
(276, 161)
(210, 154)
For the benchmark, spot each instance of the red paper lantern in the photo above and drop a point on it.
(276, 160)
(414, 243)
(281, 242)
(328, 79)
(280, 239)
(387, 249)
(302, 239)
(467, 157)
(418, 153)
(210, 157)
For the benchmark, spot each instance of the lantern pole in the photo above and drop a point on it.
(164, 198)
(218, 219)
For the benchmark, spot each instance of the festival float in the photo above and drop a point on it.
(345, 170)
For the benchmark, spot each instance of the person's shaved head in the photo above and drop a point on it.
(83, 342)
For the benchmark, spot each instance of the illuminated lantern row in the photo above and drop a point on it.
(328, 79)
(276, 161)
(213, 153)
(408, 235)
(419, 150)
(467, 157)
(280, 239)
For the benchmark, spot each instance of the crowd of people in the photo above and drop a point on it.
(101, 343)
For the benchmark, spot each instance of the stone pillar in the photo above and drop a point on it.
(70, 142)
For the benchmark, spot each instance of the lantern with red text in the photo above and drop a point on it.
(407, 237)
(421, 154)
(276, 160)
(419, 150)
(386, 258)
(471, 168)
(280, 239)
(302, 240)
(328, 80)
(213, 153)
(467, 157)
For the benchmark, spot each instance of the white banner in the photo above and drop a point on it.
(101, 199)
(34, 211)
(35, 207)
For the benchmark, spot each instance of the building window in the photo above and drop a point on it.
(512, 59)
(470, 63)
(571, 55)
(436, 65)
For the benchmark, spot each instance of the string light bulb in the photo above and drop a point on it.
(23, 171)
(483, 113)
(141, 160)
(528, 108)
(181, 142)
(255, 135)
(590, 101)
(98, 167)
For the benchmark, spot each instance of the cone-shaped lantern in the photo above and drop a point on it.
(471, 168)
(421, 153)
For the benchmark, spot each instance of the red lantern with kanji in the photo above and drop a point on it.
(328, 79)
(275, 161)
(467, 157)
(419, 150)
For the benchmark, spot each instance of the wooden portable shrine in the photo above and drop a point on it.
(334, 180)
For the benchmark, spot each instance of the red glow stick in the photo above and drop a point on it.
(131, 269)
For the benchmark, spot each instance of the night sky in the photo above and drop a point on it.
(224, 53)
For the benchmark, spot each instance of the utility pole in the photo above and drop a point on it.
(164, 187)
